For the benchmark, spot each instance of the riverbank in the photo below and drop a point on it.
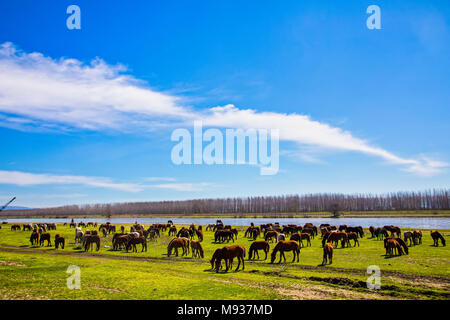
(368, 214)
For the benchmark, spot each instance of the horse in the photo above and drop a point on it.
(45, 237)
(335, 237)
(34, 238)
(197, 250)
(26, 227)
(228, 254)
(310, 231)
(78, 235)
(90, 240)
(372, 231)
(358, 230)
(408, 235)
(392, 246)
(435, 235)
(176, 243)
(183, 233)
(417, 237)
(327, 253)
(392, 230)
(270, 235)
(199, 234)
(59, 241)
(300, 236)
(222, 235)
(283, 246)
(15, 227)
(119, 241)
(352, 236)
(133, 241)
(281, 236)
(172, 231)
(258, 245)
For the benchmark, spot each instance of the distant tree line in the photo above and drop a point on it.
(398, 201)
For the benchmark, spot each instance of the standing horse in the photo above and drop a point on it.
(417, 237)
(176, 243)
(34, 238)
(408, 235)
(327, 253)
(89, 241)
(299, 238)
(59, 241)
(391, 246)
(284, 246)
(45, 237)
(352, 236)
(270, 235)
(435, 235)
(197, 250)
(228, 254)
(258, 245)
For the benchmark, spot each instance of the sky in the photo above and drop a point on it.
(87, 115)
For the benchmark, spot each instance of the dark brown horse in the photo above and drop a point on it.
(45, 237)
(300, 237)
(228, 254)
(258, 245)
(34, 238)
(132, 242)
(90, 240)
(352, 236)
(59, 241)
(327, 253)
(417, 237)
(393, 247)
(282, 247)
(270, 235)
(435, 235)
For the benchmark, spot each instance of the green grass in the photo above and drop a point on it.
(34, 273)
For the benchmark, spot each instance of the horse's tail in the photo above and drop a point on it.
(442, 239)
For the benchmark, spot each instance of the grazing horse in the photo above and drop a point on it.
(172, 231)
(358, 230)
(15, 227)
(417, 237)
(435, 235)
(300, 236)
(352, 236)
(210, 227)
(283, 246)
(392, 246)
(34, 238)
(133, 241)
(270, 235)
(258, 245)
(380, 233)
(45, 237)
(176, 243)
(59, 241)
(78, 235)
(222, 235)
(119, 241)
(26, 227)
(228, 254)
(372, 231)
(183, 233)
(392, 230)
(310, 231)
(89, 241)
(281, 236)
(408, 235)
(199, 234)
(327, 253)
(335, 237)
(197, 250)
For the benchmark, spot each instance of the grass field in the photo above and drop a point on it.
(40, 272)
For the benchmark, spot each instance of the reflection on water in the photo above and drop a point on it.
(422, 223)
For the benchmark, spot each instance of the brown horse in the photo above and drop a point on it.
(417, 237)
(45, 237)
(258, 245)
(408, 235)
(59, 241)
(392, 230)
(435, 235)
(199, 234)
(352, 236)
(119, 241)
(90, 240)
(197, 250)
(270, 235)
(372, 231)
(392, 246)
(176, 243)
(299, 238)
(228, 254)
(172, 231)
(283, 246)
(327, 253)
(34, 238)
(132, 242)
(335, 237)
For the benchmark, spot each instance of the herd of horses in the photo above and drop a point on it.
(288, 238)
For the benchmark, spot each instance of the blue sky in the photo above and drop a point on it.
(360, 110)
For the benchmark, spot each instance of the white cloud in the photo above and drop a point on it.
(65, 93)
(29, 179)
